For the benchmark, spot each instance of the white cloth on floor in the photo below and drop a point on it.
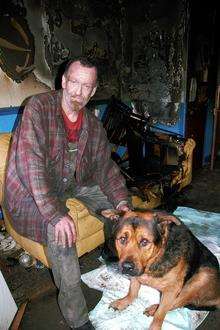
(205, 225)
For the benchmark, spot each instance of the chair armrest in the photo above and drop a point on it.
(4, 146)
(76, 210)
(86, 223)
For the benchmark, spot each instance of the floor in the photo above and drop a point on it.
(36, 286)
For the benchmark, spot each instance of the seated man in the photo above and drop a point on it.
(60, 150)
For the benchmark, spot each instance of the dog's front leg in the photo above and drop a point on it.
(123, 303)
(166, 302)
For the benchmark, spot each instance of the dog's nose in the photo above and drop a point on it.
(128, 267)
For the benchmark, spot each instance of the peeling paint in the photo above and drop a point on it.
(15, 94)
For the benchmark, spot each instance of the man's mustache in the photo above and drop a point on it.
(76, 105)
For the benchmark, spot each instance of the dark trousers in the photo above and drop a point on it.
(65, 264)
(66, 273)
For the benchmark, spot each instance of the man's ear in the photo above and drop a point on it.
(63, 82)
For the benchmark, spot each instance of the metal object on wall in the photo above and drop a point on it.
(18, 55)
(16, 47)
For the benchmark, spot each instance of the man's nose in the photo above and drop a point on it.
(78, 89)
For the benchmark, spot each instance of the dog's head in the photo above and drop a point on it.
(140, 238)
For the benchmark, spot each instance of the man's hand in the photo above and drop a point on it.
(123, 208)
(115, 214)
(65, 232)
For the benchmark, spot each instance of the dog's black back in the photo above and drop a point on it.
(182, 243)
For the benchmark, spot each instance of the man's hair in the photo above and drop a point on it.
(84, 61)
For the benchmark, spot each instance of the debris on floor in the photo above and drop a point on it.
(42, 311)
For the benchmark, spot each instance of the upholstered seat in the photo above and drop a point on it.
(89, 228)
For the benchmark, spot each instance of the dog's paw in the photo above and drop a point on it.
(119, 305)
(150, 311)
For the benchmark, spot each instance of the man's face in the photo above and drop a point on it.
(79, 85)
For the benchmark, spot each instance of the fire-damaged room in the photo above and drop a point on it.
(109, 165)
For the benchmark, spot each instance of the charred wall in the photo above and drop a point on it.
(140, 47)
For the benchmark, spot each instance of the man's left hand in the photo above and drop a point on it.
(123, 208)
(65, 232)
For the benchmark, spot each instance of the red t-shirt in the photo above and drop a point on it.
(73, 128)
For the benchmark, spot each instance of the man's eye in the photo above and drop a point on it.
(88, 87)
(143, 242)
(73, 82)
(123, 240)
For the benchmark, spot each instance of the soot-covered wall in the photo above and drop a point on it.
(140, 47)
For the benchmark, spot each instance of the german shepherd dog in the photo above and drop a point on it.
(158, 250)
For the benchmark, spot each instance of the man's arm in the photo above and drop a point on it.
(31, 158)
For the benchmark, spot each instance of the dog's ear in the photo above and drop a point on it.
(163, 220)
(157, 230)
(163, 217)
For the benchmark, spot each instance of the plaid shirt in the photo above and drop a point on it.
(39, 169)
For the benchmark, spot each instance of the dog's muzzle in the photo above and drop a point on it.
(128, 268)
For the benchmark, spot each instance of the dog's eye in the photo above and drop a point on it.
(143, 242)
(123, 240)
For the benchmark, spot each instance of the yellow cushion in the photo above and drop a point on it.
(37, 250)
(4, 145)
(86, 224)
(89, 228)
(92, 229)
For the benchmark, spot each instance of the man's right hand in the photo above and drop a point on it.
(65, 232)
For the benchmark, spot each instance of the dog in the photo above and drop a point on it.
(157, 249)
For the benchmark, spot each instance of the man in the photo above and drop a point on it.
(60, 150)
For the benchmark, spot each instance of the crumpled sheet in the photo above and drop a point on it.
(206, 226)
